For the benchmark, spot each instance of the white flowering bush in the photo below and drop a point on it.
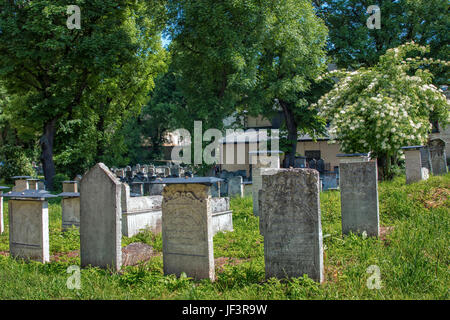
(382, 108)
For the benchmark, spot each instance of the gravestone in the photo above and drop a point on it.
(70, 205)
(187, 228)
(359, 197)
(21, 183)
(438, 156)
(33, 184)
(2, 226)
(235, 187)
(100, 219)
(291, 224)
(258, 161)
(414, 164)
(137, 188)
(28, 224)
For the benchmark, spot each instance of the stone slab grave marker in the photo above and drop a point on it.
(415, 171)
(28, 224)
(290, 222)
(140, 213)
(100, 219)
(259, 160)
(358, 184)
(2, 226)
(21, 183)
(438, 156)
(235, 187)
(187, 229)
(33, 184)
(70, 205)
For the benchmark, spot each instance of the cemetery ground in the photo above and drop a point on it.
(412, 254)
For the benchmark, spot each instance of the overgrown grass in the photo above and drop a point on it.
(413, 258)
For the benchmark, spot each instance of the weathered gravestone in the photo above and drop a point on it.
(2, 226)
(28, 224)
(290, 223)
(235, 187)
(33, 184)
(414, 164)
(70, 205)
(438, 156)
(100, 219)
(187, 229)
(21, 183)
(260, 160)
(359, 196)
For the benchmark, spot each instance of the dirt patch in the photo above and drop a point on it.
(384, 232)
(4, 253)
(60, 256)
(221, 262)
(437, 198)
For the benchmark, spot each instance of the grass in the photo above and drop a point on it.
(413, 258)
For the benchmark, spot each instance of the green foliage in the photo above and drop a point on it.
(57, 182)
(14, 162)
(390, 105)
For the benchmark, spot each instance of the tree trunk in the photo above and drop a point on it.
(292, 132)
(46, 143)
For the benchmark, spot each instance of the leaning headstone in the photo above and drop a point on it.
(100, 219)
(235, 187)
(70, 205)
(359, 197)
(28, 224)
(414, 164)
(2, 226)
(438, 156)
(187, 229)
(291, 224)
(259, 160)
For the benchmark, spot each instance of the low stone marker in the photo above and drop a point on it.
(187, 229)
(100, 219)
(70, 205)
(359, 195)
(21, 183)
(28, 224)
(235, 187)
(33, 184)
(291, 224)
(140, 213)
(2, 226)
(414, 164)
(259, 160)
(438, 156)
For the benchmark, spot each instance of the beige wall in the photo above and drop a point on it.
(328, 152)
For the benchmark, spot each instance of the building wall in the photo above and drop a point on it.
(328, 151)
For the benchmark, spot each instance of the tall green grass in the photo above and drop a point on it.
(413, 259)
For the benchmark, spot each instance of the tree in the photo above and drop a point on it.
(390, 105)
(56, 73)
(292, 56)
(248, 55)
(352, 44)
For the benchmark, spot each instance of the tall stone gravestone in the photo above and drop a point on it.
(359, 196)
(291, 224)
(100, 219)
(260, 160)
(187, 229)
(28, 224)
(438, 156)
(70, 205)
(235, 187)
(415, 171)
